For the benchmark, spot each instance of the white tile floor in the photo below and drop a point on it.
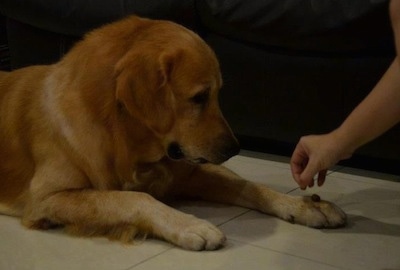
(255, 241)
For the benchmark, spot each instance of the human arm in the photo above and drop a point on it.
(377, 113)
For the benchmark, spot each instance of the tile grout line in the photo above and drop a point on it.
(287, 254)
(168, 249)
(235, 217)
(294, 189)
(150, 258)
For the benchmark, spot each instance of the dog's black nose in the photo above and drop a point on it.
(175, 151)
(231, 148)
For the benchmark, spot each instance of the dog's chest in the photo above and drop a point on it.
(154, 179)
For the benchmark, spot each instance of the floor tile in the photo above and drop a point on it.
(365, 176)
(215, 213)
(276, 175)
(235, 256)
(360, 247)
(371, 240)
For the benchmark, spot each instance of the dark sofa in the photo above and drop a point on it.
(290, 67)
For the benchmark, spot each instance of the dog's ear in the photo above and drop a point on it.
(143, 87)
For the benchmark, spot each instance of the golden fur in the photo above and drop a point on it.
(127, 118)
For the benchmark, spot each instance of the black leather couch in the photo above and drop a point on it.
(290, 67)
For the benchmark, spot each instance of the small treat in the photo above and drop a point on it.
(315, 198)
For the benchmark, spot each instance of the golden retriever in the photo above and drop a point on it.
(127, 118)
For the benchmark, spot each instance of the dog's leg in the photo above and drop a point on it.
(218, 184)
(61, 194)
(107, 210)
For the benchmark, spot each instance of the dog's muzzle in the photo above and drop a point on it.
(175, 152)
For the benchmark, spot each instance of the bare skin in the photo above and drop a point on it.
(376, 114)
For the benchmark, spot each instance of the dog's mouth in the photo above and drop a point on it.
(199, 161)
(175, 152)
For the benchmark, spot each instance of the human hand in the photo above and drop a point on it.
(315, 154)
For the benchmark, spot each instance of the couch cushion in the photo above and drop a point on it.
(318, 25)
(76, 17)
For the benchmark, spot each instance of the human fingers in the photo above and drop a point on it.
(311, 184)
(307, 176)
(322, 177)
(298, 162)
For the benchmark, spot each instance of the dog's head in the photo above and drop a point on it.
(170, 80)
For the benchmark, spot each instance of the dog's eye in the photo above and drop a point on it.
(201, 98)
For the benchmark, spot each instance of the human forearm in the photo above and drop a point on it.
(377, 113)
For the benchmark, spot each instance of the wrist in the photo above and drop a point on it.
(343, 144)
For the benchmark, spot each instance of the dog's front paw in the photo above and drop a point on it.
(192, 233)
(316, 213)
(200, 235)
